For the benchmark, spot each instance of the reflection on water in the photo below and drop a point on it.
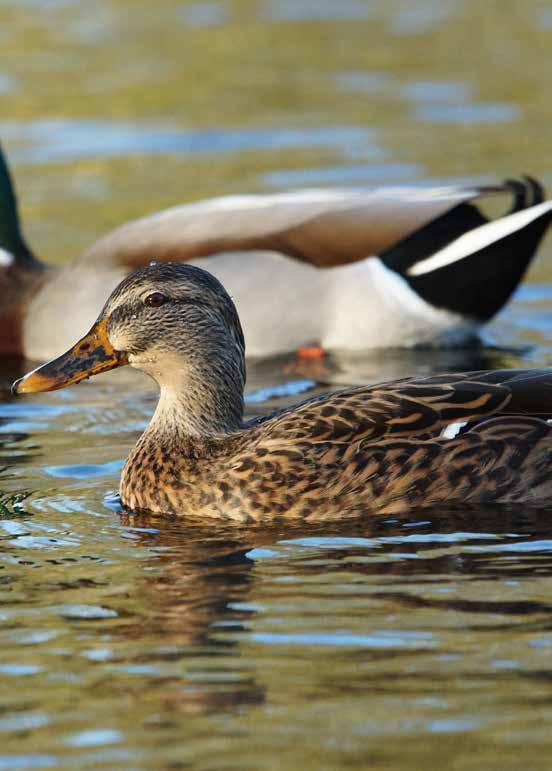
(310, 10)
(133, 642)
(49, 141)
(490, 112)
(350, 174)
(241, 639)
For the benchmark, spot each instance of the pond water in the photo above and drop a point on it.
(420, 641)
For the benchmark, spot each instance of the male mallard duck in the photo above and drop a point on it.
(383, 447)
(301, 266)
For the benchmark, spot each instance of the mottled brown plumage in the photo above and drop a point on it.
(380, 448)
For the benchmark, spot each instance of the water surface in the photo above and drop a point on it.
(390, 643)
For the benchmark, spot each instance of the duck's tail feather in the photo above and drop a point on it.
(12, 242)
(464, 263)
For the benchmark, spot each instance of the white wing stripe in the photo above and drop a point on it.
(479, 238)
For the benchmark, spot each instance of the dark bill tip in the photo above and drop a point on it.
(90, 356)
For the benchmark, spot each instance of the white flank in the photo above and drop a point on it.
(6, 258)
(479, 238)
(367, 305)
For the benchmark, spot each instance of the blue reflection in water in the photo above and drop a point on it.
(15, 762)
(208, 14)
(317, 10)
(85, 470)
(377, 639)
(470, 113)
(347, 174)
(292, 388)
(48, 141)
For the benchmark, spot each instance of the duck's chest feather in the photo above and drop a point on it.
(214, 479)
(158, 478)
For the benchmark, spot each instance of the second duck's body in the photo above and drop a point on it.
(346, 270)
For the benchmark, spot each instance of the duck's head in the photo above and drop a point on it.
(174, 321)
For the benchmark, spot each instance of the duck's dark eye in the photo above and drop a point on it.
(155, 299)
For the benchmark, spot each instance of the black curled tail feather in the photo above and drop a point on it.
(480, 282)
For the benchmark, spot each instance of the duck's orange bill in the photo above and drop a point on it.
(90, 356)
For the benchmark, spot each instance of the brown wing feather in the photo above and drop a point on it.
(326, 228)
(506, 459)
(380, 447)
(415, 407)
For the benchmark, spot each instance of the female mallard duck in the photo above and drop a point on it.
(381, 448)
(301, 266)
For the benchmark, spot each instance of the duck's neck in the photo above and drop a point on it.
(197, 403)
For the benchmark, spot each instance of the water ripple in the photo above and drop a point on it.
(49, 141)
